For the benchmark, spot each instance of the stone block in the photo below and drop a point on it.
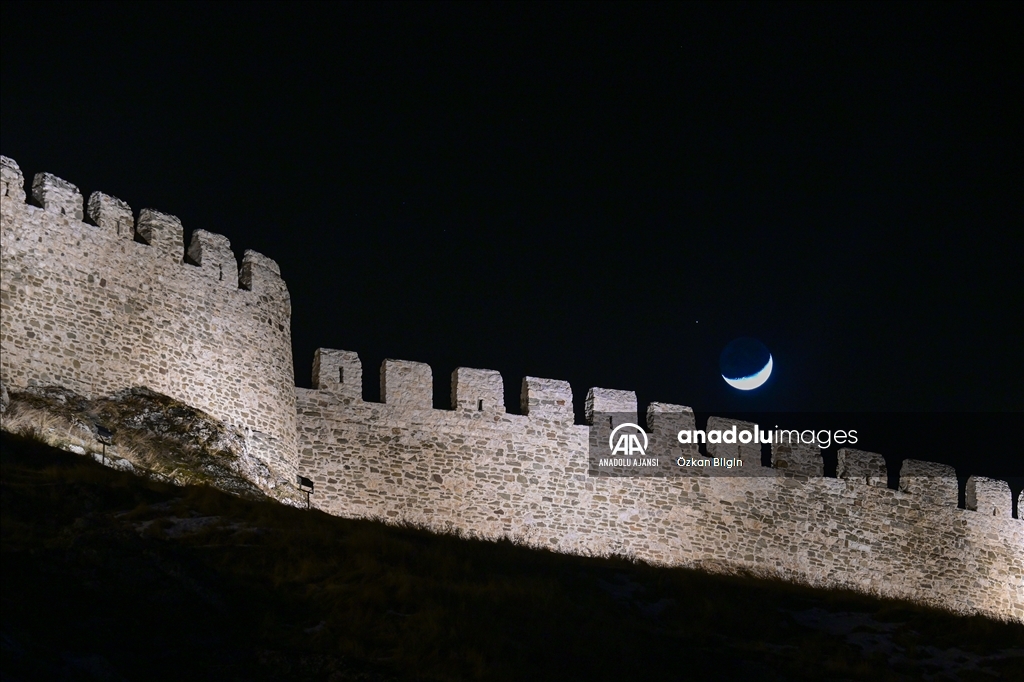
(478, 390)
(339, 372)
(163, 232)
(664, 422)
(863, 467)
(989, 496)
(261, 275)
(668, 418)
(212, 253)
(406, 384)
(800, 459)
(111, 215)
(622, 404)
(12, 181)
(57, 195)
(932, 482)
(749, 453)
(549, 399)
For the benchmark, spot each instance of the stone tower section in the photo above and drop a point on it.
(115, 304)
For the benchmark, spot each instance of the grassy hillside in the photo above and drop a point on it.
(108, 576)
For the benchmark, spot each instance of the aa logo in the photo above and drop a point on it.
(628, 443)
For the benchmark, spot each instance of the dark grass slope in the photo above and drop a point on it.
(107, 576)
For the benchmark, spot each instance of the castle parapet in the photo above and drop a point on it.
(163, 232)
(261, 275)
(57, 195)
(12, 181)
(339, 372)
(111, 215)
(549, 399)
(212, 252)
(933, 482)
(798, 459)
(862, 467)
(478, 390)
(406, 384)
(749, 452)
(665, 421)
(621, 404)
(989, 496)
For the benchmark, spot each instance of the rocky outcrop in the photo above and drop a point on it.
(148, 433)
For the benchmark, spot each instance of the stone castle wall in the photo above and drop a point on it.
(113, 304)
(120, 302)
(490, 474)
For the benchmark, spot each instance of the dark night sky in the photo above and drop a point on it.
(606, 194)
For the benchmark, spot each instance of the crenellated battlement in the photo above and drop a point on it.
(862, 467)
(112, 215)
(474, 467)
(990, 497)
(549, 399)
(339, 372)
(164, 232)
(408, 385)
(120, 303)
(798, 459)
(478, 390)
(929, 481)
(212, 253)
(262, 276)
(117, 302)
(664, 420)
(608, 401)
(56, 195)
(12, 182)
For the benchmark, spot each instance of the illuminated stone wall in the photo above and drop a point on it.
(492, 474)
(118, 302)
(113, 304)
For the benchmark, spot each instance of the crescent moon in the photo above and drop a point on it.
(754, 380)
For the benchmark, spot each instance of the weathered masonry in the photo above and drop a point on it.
(120, 302)
(112, 304)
